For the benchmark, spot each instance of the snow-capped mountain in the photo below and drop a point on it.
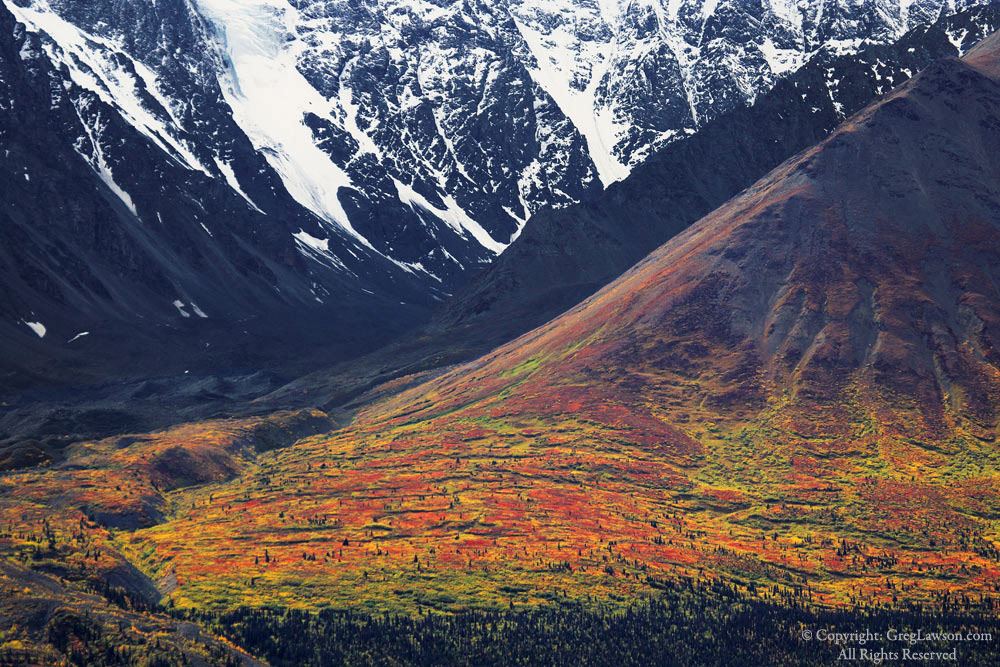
(429, 131)
(479, 114)
(141, 231)
(343, 163)
(566, 255)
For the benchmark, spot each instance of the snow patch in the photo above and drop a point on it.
(179, 305)
(789, 11)
(904, 12)
(610, 10)
(957, 39)
(94, 63)
(37, 327)
(105, 173)
(310, 241)
(552, 54)
(708, 9)
(346, 99)
(319, 250)
(270, 99)
(781, 61)
(227, 170)
(453, 216)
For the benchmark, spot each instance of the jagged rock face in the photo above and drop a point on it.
(339, 157)
(433, 129)
(565, 255)
(532, 103)
(125, 248)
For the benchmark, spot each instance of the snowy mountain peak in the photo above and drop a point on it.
(428, 131)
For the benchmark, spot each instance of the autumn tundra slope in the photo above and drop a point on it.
(796, 397)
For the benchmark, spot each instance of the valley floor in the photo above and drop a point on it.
(483, 541)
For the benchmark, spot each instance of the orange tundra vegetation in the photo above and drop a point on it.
(797, 396)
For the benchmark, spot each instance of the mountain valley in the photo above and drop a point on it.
(518, 333)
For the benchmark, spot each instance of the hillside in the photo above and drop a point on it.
(796, 396)
(567, 254)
